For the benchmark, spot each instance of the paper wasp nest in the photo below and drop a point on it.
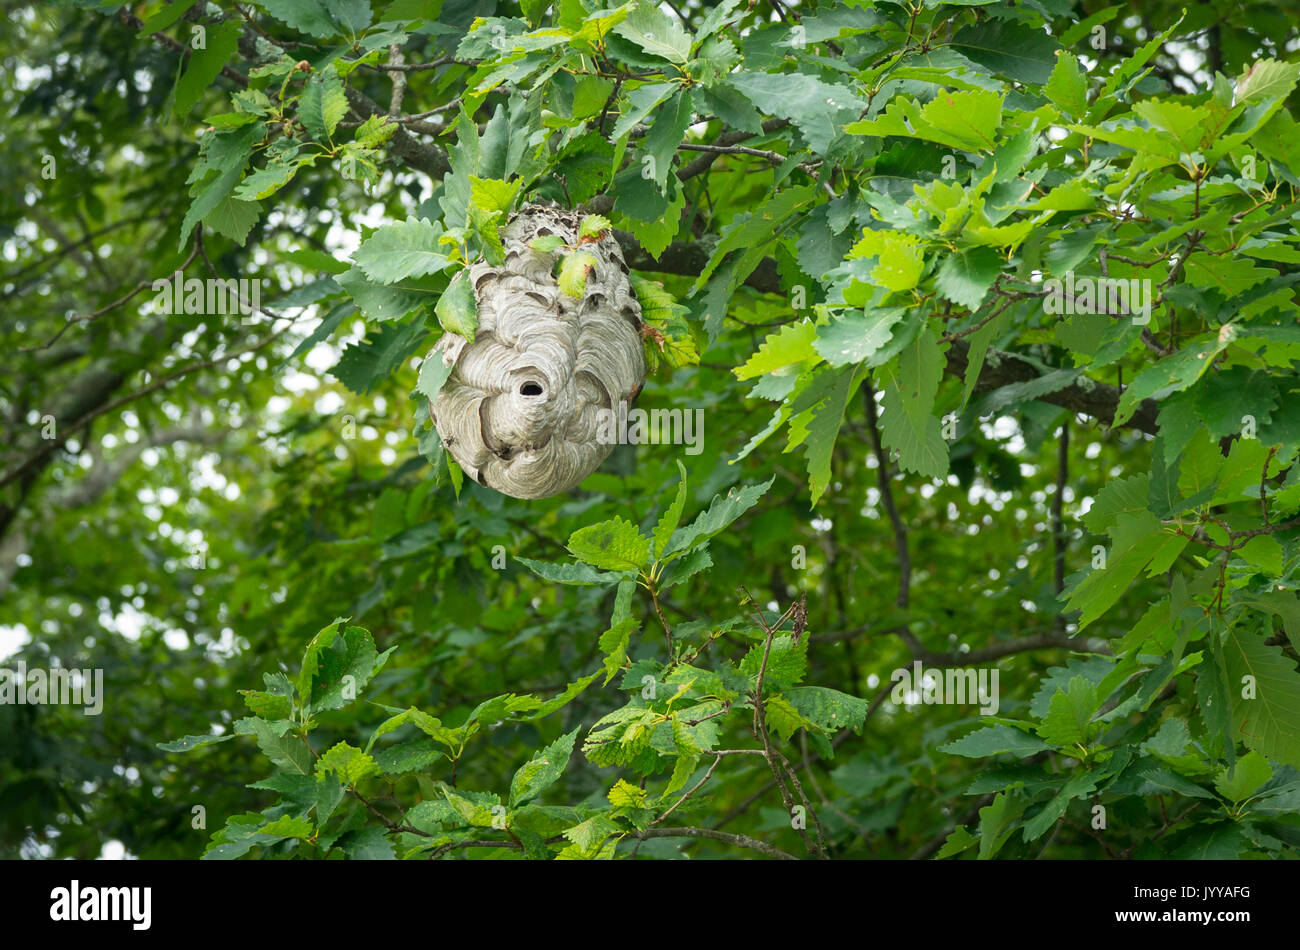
(521, 410)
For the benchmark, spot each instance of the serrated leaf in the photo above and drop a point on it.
(965, 277)
(579, 575)
(593, 226)
(656, 32)
(542, 770)
(204, 65)
(907, 425)
(1067, 87)
(1069, 715)
(188, 743)
(856, 337)
(323, 105)
(721, 513)
(338, 663)
(614, 545)
(787, 662)
(457, 307)
(1265, 707)
(791, 344)
(400, 250)
(574, 270)
(349, 763)
(671, 517)
(1244, 779)
(995, 740)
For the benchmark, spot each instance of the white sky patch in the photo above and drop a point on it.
(13, 639)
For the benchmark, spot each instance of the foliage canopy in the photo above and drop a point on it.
(988, 307)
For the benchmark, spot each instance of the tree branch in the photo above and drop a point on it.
(1090, 398)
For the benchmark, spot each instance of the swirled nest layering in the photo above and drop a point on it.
(521, 410)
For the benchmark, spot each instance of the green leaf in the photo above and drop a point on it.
(995, 740)
(1020, 53)
(1264, 689)
(209, 197)
(626, 795)
(457, 308)
(790, 345)
(1281, 603)
(542, 770)
(233, 218)
(656, 32)
(1171, 374)
(720, 515)
(367, 844)
(1241, 782)
(1067, 87)
(305, 16)
(1266, 79)
(998, 821)
(434, 372)
(784, 720)
(1117, 498)
(288, 827)
(1068, 719)
(204, 65)
(641, 102)
(593, 226)
(829, 708)
(899, 257)
(1077, 787)
(856, 338)
(474, 809)
(266, 705)
(753, 232)
(287, 752)
(404, 249)
(818, 109)
(956, 843)
(614, 545)
(787, 662)
(965, 277)
(578, 575)
(907, 425)
(661, 312)
(413, 755)
(265, 181)
(817, 428)
(588, 836)
(323, 105)
(547, 244)
(188, 743)
(349, 763)
(493, 194)
(365, 365)
(671, 517)
(165, 17)
(614, 642)
(338, 663)
(573, 273)
(967, 120)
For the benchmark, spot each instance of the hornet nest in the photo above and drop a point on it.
(521, 409)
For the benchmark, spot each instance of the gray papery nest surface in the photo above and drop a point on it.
(521, 410)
